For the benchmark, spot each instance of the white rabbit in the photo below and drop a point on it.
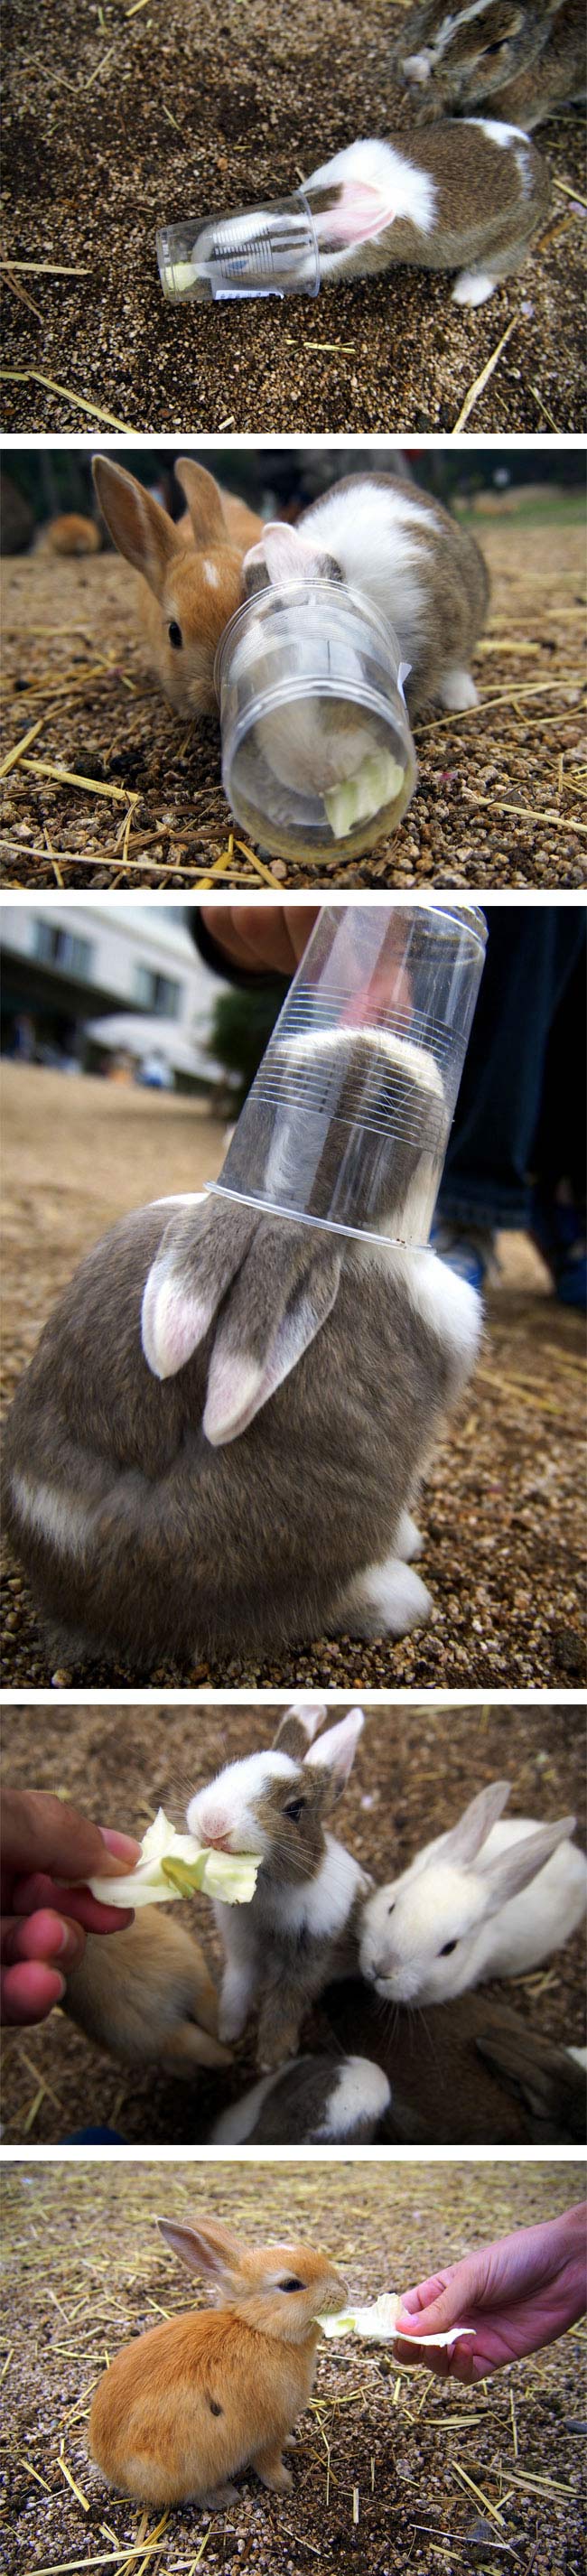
(486, 1899)
(301, 1926)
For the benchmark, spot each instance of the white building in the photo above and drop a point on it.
(66, 966)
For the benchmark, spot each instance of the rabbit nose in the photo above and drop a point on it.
(216, 1841)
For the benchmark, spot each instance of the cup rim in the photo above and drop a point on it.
(285, 594)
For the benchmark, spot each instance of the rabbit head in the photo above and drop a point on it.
(279, 2290)
(417, 1932)
(313, 744)
(193, 572)
(454, 57)
(274, 1803)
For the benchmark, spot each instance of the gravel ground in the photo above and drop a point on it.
(117, 120)
(500, 799)
(400, 2451)
(503, 1539)
(414, 1771)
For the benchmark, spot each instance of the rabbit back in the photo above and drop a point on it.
(141, 1536)
(400, 549)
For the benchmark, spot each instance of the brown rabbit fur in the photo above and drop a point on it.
(451, 2067)
(190, 574)
(70, 534)
(187, 2405)
(464, 194)
(144, 1537)
(521, 58)
(146, 1995)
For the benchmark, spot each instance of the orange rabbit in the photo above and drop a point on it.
(191, 574)
(190, 2402)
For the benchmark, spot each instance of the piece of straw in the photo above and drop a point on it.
(31, 376)
(481, 381)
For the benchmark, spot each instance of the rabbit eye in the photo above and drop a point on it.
(291, 2285)
(295, 1810)
(493, 49)
(175, 634)
(447, 1946)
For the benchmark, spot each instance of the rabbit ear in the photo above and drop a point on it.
(240, 1380)
(283, 555)
(334, 1752)
(197, 1258)
(141, 529)
(514, 1869)
(205, 2249)
(204, 500)
(465, 1840)
(298, 1726)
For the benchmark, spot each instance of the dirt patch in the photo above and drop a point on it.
(87, 2270)
(500, 792)
(116, 121)
(503, 1537)
(415, 1769)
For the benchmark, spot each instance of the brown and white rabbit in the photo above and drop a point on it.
(190, 574)
(183, 2408)
(523, 57)
(257, 1488)
(146, 1995)
(400, 551)
(468, 2072)
(301, 1927)
(314, 2101)
(466, 194)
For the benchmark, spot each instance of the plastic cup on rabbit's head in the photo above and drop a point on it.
(316, 741)
(347, 1121)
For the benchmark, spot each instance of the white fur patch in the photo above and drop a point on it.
(321, 1905)
(211, 575)
(380, 187)
(373, 533)
(401, 1054)
(387, 1601)
(447, 1303)
(408, 1538)
(56, 1517)
(228, 1808)
(235, 2125)
(498, 133)
(457, 689)
(417, 67)
(474, 286)
(361, 2092)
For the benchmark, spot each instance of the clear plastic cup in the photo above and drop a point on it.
(316, 741)
(347, 1121)
(256, 250)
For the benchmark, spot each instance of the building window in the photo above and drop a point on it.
(63, 950)
(157, 993)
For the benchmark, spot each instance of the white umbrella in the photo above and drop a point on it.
(138, 1035)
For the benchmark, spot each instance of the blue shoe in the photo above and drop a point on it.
(469, 1250)
(558, 1231)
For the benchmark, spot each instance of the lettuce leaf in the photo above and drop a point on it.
(173, 1865)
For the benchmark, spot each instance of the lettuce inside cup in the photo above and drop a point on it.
(173, 1865)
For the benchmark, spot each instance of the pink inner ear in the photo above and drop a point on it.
(360, 212)
(172, 1324)
(288, 557)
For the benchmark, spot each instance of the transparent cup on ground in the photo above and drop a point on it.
(256, 250)
(347, 1122)
(317, 749)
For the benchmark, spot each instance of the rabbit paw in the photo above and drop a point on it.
(473, 287)
(276, 2048)
(272, 2472)
(408, 1539)
(387, 1601)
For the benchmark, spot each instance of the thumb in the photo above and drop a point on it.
(435, 2305)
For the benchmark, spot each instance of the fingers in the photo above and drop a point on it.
(441, 2302)
(29, 1992)
(40, 1832)
(261, 938)
(76, 1903)
(42, 1936)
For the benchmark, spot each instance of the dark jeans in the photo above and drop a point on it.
(520, 1115)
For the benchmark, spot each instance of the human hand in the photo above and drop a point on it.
(264, 938)
(518, 2294)
(44, 1844)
